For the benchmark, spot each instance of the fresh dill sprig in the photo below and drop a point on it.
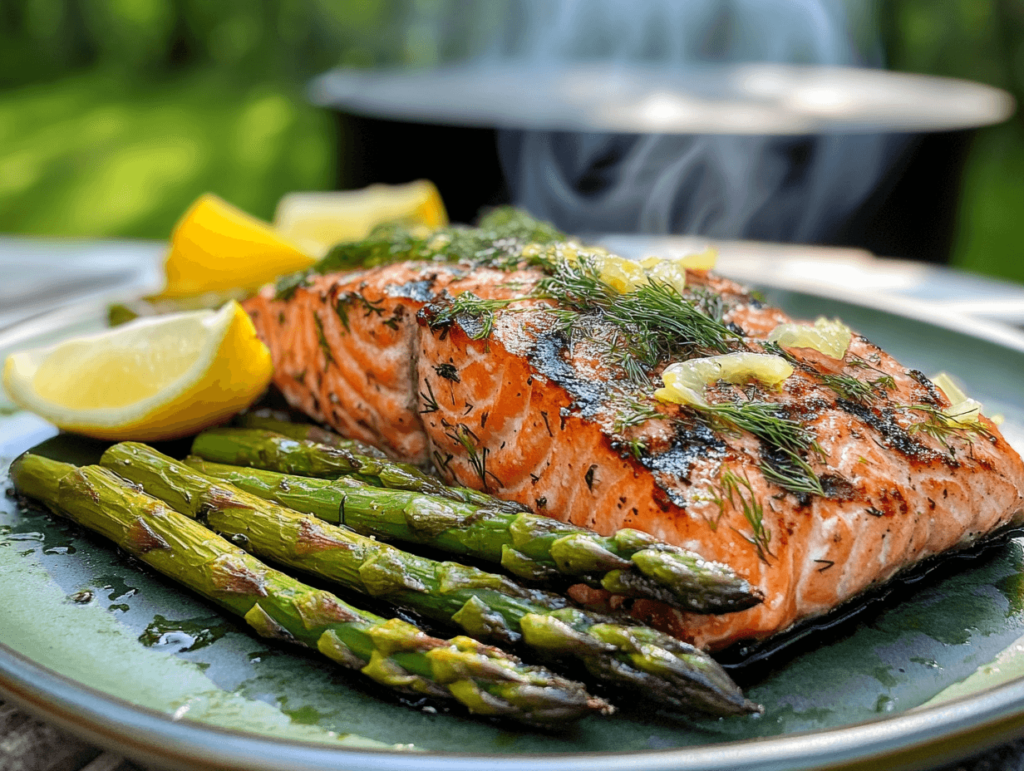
(856, 390)
(668, 321)
(711, 304)
(429, 400)
(885, 382)
(847, 387)
(477, 457)
(788, 470)
(649, 324)
(321, 340)
(773, 348)
(785, 440)
(632, 412)
(739, 493)
(942, 426)
(858, 362)
(468, 305)
(765, 421)
(653, 322)
(637, 447)
(287, 285)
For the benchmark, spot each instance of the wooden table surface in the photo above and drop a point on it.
(26, 744)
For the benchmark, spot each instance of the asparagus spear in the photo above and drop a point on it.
(305, 431)
(667, 670)
(528, 545)
(252, 446)
(391, 652)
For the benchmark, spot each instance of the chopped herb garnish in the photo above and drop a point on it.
(785, 441)
(739, 493)
(637, 447)
(477, 457)
(652, 323)
(441, 464)
(429, 401)
(322, 340)
(854, 390)
(498, 241)
(885, 382)
(371, 307)
(468, 305)
(847, 387)
(791, 472)
(286, 286)
(448, 372)
(341, 309)
(943, 427)
(633, 412)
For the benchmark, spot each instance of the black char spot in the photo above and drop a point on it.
(691, 442)
(548, 357)
(419, 291)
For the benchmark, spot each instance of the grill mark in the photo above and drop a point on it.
(418, 291)
(934, 398)
(893, 435)
(690, 443)
(547, 355)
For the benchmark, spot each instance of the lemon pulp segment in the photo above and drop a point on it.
(151, 379)
(133, 368)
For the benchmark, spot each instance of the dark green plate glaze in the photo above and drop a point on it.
(94, 642)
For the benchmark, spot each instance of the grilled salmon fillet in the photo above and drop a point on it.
(534, 412)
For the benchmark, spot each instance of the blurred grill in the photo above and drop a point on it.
(841, 156)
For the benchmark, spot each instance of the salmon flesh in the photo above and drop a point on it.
(535, 411)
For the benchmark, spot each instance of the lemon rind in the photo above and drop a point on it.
(20, 368)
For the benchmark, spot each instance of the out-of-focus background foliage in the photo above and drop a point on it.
(116, 114)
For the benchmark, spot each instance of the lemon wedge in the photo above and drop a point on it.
(318, 221)
(216, 247)
(154, 378)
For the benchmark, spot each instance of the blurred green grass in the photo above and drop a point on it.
(102, 154)
(990, 224)
(116, 114)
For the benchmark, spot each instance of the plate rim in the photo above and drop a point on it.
(942, 732)
(957, 728)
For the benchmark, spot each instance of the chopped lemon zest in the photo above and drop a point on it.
(962, 410)
(669, 272)
(623, 276)
(685, 381)
(831, 338)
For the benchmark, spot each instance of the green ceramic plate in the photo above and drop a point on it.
(93, 642)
